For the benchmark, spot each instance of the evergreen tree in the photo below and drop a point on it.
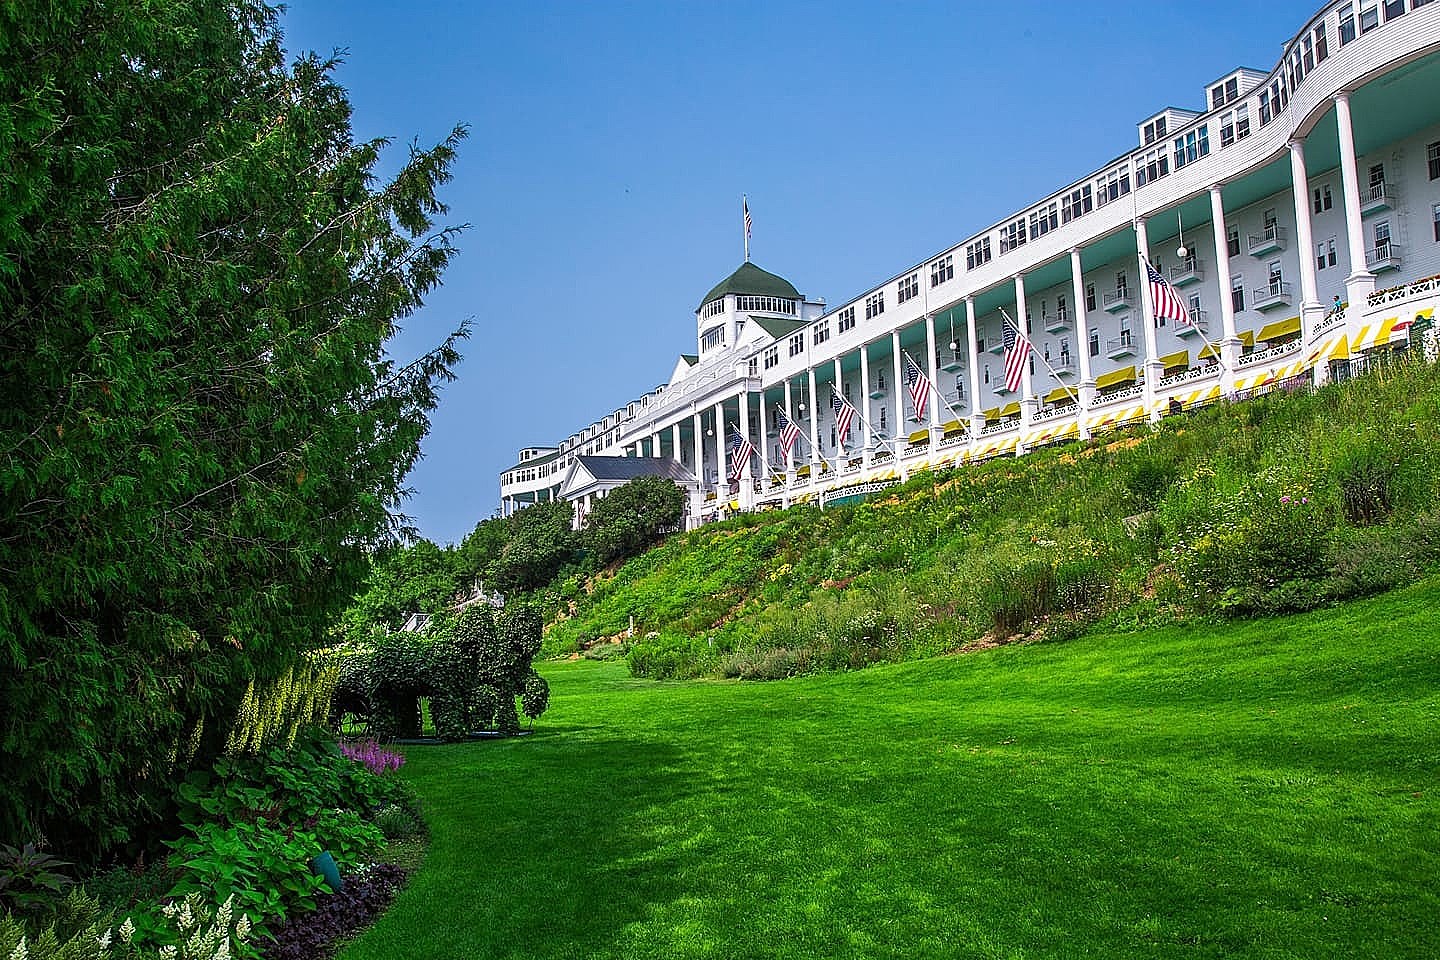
(201, 436)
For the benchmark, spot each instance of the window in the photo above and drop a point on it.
(1044, 220)
(1323, 200)
(1271, 226)
(772, 357)
(1012, 235)
(1077, 203)
(797, 344)
(1112, 186)
(1122, 286)
(1265, 114)
(1322, 48)
(1393, 9)
(1325, 254)
(765, 304)
(822, 332)
(874, 305)
(1242, 121)
(1217, 96)
(1369, 18)
(1152, 166)
(1275, 277)
(1435, 211)
(882, 418)
(1089, 296)
(754, 366)
(1232, 239)
(880, 379)
(1125, 329)
(1094, 342)
(942, 270)
(1237, 292)
(1192, 146)
(977, 254)
(1382, 239)
(1194, 308)
(847, 319)
(1060, 311)
(1227, 128)
(1347, 23)
(1154, 130)
(1309, 56)
(909, 288)
(712, 308)
(712, 338)
(1432, 157)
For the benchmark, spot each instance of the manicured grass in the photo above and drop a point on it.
(1261, 790)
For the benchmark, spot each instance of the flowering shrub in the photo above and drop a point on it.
(372, 756)
(187, 929)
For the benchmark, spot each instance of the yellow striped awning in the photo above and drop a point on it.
(1062, 393)
(1117, 415)
(948, 459)
(1123, 375)
(1247, 338)
(1427, 314)
(1011, 409)
(1212, 352)
(1335, 348)
(734, 504)
(951, 426)
(1180, 358)
(920, 436)
(1278, 330)
(1053, 433)
(992, 414)
(803, 471)
(1204, 395)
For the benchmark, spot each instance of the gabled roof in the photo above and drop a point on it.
(750, 279)
(628, 468)
(690, 358)
(778, 327)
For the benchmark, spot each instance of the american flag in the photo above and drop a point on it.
(741, 450)
(844, 413)
(789, 433)
(1164, 301)
(919, 385)
(745, 205)
(1017, 354)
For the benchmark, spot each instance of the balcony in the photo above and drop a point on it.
(1276, 294)
(1121, 346)
(1055, 322)
(1199, 325)
(1118, 301)
(877, 390)
(1064, 365)
(996, 347)
(1187, 273)
(1272, 240)
(950, 360)
(1384, 256)
(1376, 197)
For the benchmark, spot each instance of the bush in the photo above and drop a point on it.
(82, 930)
(632, 517)
(1367, 476)
(29, 879)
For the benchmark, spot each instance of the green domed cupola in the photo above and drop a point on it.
(750, 280)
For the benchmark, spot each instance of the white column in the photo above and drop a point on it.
(655, 444)
(1029, 403)
(1153, 369)
(1361, 281)
(898, 431)
(839, 388)
(789, 415)
(722, 468)
(977, 419)
(1086, 392)
(1230, 339)
(814, 425)
(1311, 309)
(764, 445)
(934, 380)
(698, 442)
(675, 441)
(865, 402)
(745, 471)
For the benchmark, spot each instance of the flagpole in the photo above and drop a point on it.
(1033, 352)
(938, 395)
(1214, 351)
(801, 435)
(745, 223)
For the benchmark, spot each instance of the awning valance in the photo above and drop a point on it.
(920, 436)
(992, 414)
(1011, 409)
(1212, 352)
(1115, 377)
(1278, 330)
(1180, 358)
(952, 426)
(1061, 393)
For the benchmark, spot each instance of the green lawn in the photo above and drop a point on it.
(1265, 790)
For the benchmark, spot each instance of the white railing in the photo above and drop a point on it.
(1378, 195)
(1331, 319)
(1055, 413)
(859, 489)
(1271, 353)
(956, 441)
(1383, 254)
(1272, 292)
(1196, 373)
(1403, 292)
(1120, 298)
(990, 429)
(1119, 344)
(1129, 393)
(1269, 239)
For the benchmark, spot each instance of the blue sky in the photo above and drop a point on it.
(610, 143)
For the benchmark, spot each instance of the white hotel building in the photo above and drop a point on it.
(1319, 179)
